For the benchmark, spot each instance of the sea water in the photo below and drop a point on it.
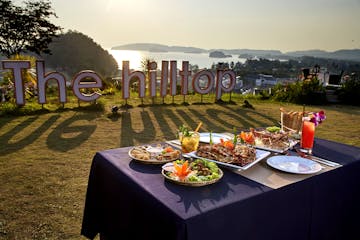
(202, 60)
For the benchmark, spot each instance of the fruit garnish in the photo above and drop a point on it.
(182, 170)
(247, 137)
(168, 149)
(228, 144)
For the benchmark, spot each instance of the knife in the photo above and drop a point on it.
(317, 159)
(324, 161)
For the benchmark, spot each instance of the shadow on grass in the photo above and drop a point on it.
(7, 146)
(128, 134)
(157, 121)
(58, 140)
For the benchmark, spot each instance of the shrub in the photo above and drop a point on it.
(309, 91)
(350, 91)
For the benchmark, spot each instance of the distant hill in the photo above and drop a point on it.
(250, 52)
(344, 54)
(74, 51)
(153, 47)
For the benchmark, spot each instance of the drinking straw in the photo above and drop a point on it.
(303, 113)
(198, 127)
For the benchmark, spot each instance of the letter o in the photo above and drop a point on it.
(210, 85)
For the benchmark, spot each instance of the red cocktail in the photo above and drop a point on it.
(307, 136)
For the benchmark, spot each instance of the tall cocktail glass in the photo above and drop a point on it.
(307, 137)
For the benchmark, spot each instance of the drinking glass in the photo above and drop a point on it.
(307, 137)
(190, 143)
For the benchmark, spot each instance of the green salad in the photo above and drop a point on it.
(198, 170)
(273, 129)
(206, 170)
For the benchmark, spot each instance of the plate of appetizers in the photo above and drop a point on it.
(158, 154)
(269, 139)
(195, 173)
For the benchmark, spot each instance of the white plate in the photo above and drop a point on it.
(260, 155)
(205, 137)
(294, 164)
(154, 152)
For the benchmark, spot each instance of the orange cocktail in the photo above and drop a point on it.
(307, 136)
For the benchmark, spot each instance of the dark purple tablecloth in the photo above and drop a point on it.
(130, 200)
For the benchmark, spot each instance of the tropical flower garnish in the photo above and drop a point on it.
(181, 170)
(228, 144)
(317, 117)
(247, 137)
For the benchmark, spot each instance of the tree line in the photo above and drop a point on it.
(27, 29)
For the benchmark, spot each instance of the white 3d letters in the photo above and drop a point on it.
(224, 81)
(42, 80)
(126, 78)
(152, 78)
(185, 73)
(210, 85)
(220, 86)
(16, 67)
(173, 78)
(164, 78)
(78, 84)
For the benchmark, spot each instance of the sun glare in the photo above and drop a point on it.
(134, 57)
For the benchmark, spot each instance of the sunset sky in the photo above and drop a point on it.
(285, 25)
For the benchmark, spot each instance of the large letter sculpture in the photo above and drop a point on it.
(42, 80)
(16, 67)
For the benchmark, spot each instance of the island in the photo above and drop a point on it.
(218, 54)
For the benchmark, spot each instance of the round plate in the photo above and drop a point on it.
(193, 184)
(153, 152)
(294, 164)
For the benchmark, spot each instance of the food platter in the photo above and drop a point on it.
(291, 144)
(278, 141)
(260, 155)
(159, 154)
(294, 164)
(166, 173)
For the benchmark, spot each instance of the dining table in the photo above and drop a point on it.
(128, 199)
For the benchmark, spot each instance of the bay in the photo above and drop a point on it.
(201, 59)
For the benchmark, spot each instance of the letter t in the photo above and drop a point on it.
(16, 67)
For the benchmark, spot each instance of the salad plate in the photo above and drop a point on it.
(196, 173)
(159, 154)
(294, 164)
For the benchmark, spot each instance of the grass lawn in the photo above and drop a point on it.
(45, 158)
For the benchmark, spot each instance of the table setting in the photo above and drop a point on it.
(203, 183)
